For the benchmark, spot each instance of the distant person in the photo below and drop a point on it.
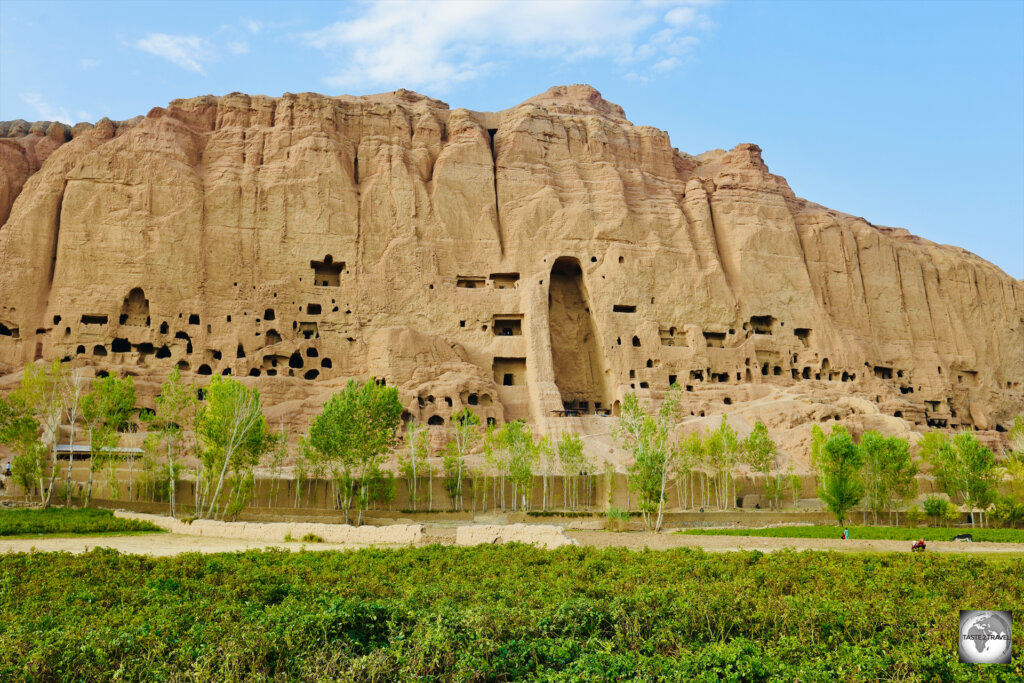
(918, 546)
(846, 534)
(7, 469)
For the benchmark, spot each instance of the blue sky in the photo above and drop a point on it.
(910, 114)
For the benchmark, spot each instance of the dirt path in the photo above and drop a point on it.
(640, 540)
(174, 544)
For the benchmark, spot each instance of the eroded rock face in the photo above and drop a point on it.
(302, 240)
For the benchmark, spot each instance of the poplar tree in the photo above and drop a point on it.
(759, 452)
(233, 435)
(410, 460)
(840, 461)
(173, 416)
(357, 426)
(106, 411)
(889, 474)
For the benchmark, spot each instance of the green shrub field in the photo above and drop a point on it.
(870, 533)
(497, 613)
(30, 522)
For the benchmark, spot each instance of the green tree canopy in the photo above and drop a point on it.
(356, 427)
(889, 474)
(233, 434)
(840, 461)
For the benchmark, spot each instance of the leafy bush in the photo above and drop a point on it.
(22, 522)
(939, 509)
(312, 538)
(873, 533)
(1008, 511)
(914, 516)
(496, 613)
(618, 519)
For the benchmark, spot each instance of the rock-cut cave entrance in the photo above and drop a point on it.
(575, 353)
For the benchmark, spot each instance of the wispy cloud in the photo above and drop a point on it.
(441, 43)
(238, 47)
(188, 52)
(89, 63)
(46, 111)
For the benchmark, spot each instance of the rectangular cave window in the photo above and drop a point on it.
(470, 282)
(94, 320)
(309, 330)
(510, 371)
(882, 372)
(671, 380)
(804, 335)
(327, 273)
(505, 280)
(762, 324)
(715, 340)
(623, 308)
(507, 326)
(313, 309)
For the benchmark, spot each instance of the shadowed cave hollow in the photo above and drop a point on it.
(575, 354)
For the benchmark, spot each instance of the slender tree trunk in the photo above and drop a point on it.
(131, 478)
(53, 471)
(220, 482)
(171, 478)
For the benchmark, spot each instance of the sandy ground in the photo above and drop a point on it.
(173, 544)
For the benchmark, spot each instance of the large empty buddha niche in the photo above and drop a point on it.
(509, 372)
(135, 309)
(508, 325)
(327, 273)
(576, 355)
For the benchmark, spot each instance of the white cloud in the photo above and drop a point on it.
(437, 44)
(254, 26)
(188, 52)
(89, 63)
(46, 111)
(666, 64)
(238, 47)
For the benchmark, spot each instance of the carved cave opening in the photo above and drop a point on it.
(135, 309)
(326, 273)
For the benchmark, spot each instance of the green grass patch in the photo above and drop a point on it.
(508, 612)
(69, 522)
(870, 533)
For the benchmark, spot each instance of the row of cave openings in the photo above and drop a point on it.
(470, 399)
(135, 312)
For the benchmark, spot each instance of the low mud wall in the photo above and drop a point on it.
(542, 535)
(279, 532)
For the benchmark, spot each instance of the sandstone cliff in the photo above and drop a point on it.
(545, 257)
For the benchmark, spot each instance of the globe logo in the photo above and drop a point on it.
(985, 637)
